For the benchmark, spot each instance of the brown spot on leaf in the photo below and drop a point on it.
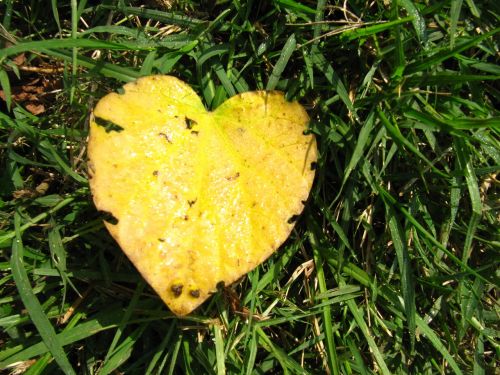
(195, 293)
(233, 177)
(190, 123)
(177, 289)
(166, 136)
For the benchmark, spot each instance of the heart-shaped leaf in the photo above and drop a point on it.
(196, 197)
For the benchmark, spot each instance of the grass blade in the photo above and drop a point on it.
(407, 286)
(418, 20)
(453, 125)
(98, 67)
(41, 45)
(74, 50)
(318, 18)
(444, 55)
(225, 80)
(51, 153)
(426, 234)
(465, 164)
(55, 13)
(448, 78)
(40, 320)
(326, 310)
(363, 32)
(219, 350)
(152, 368)
(456, 6)
(110, 363)
(359, 148)
(479, 354)
(285, 361)
(434, 339)
(7, 16)
(324, 66)
(168, 18)
(285, 55)
(5, 85)
(358, 317)
(9, 235)
(251, 344)
(402, 141)
(147, 65)
(295, 6)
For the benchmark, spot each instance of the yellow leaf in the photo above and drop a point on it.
(198, 197)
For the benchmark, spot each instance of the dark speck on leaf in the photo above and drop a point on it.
(108, 217)
(161, 239)
(109, 126)
(233, 177)
(314, 166)
(195, 293)
(195, 132)
(192, 202)
(166, 136)
(177, 289)
(155, 173)
(190, 123)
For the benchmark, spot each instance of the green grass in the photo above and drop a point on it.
(393, 266)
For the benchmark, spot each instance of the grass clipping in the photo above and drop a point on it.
(195, 198)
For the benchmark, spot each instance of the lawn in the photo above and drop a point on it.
(392, 266)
